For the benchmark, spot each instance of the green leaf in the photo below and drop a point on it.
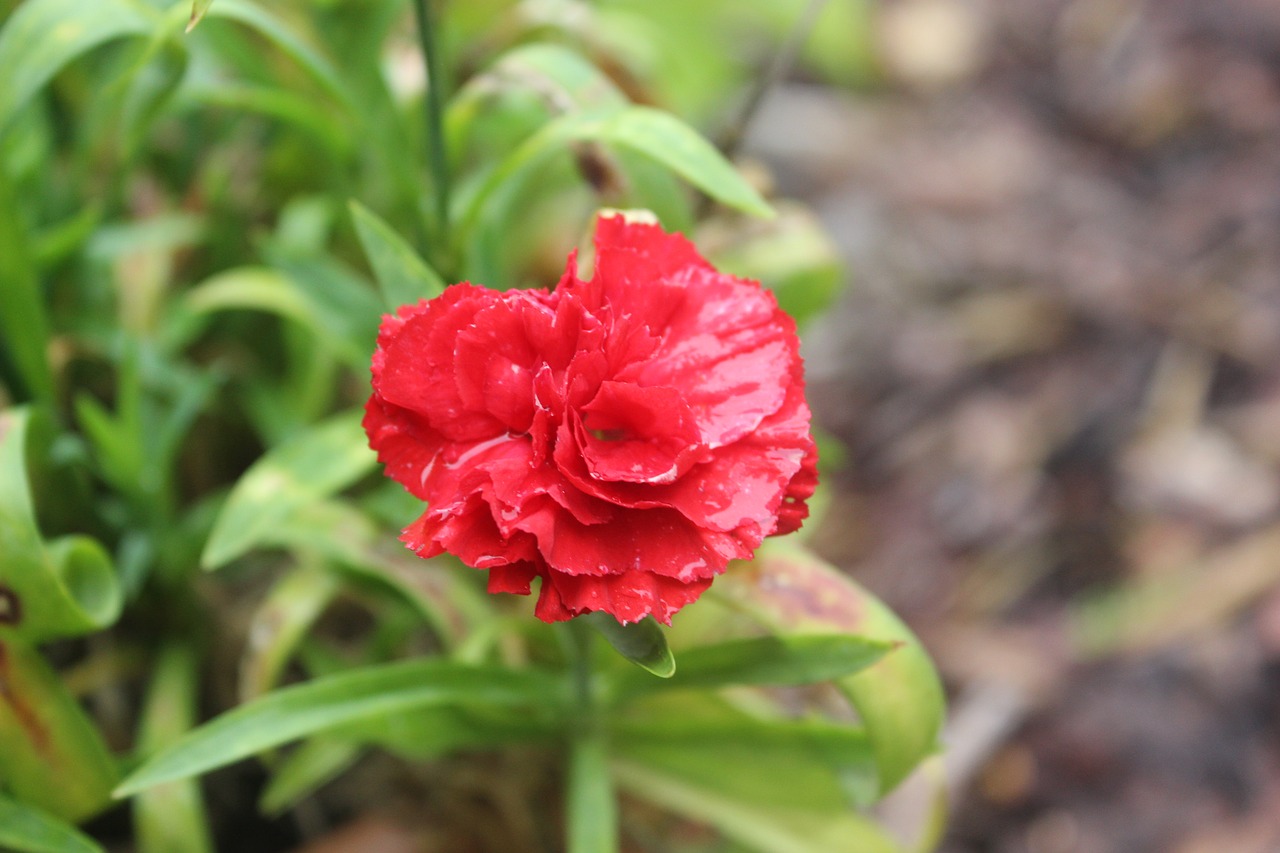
(333, 701)
(437, 589)
(777, 660)
(280, 623)
(307, 114)
(171, 818)
(643, 643)
(402, 276)
(558, 76)
(294, 46)
(644, 131)
(60, 589)
(44, 35)
(669, 141)
(312, 465)
(426, 734)
(333, 304)
(24, 829)
(762, 827)
(828, 766)
(899, 699)
(198, 10)
(51, 755)
(24, 326)
(313, 764)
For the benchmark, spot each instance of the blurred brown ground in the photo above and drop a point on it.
(1057, 371)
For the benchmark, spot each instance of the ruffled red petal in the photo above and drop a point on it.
(621, 438)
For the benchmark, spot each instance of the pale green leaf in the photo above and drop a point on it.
(899, 699)
(307, 468)
(760, 827)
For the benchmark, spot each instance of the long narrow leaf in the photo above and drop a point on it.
(27, 830)
(326, 703)
(24, 326)
(328, 457)
(778, 660)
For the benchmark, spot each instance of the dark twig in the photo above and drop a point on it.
(731, 139)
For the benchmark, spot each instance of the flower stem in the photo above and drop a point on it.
(591, 809)
(732, 137)
(433, 111)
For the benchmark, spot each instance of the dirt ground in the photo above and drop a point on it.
(1057, 371)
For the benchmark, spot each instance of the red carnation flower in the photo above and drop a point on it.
(621, 438)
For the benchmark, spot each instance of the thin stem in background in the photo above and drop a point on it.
(433, 108)
(591, 808)
(731, 139)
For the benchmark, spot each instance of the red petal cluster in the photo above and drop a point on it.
(621, 438)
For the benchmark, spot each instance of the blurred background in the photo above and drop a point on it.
(1035, 249)
(1055, 367)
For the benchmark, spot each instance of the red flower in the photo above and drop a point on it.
(621, 438)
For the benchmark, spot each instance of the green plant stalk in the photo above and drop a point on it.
(434, 116)
(591, 807)
(785, 57)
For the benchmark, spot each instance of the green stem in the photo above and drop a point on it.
(433, 108)
(732, 138)
(591, 808)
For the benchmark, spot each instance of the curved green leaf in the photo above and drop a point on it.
(710, 771)
(325, 459)
(44, 35)
(668, 140)
(24, 829)
(900, 699)
(656, 135)
(329, 702)
(47, 591)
